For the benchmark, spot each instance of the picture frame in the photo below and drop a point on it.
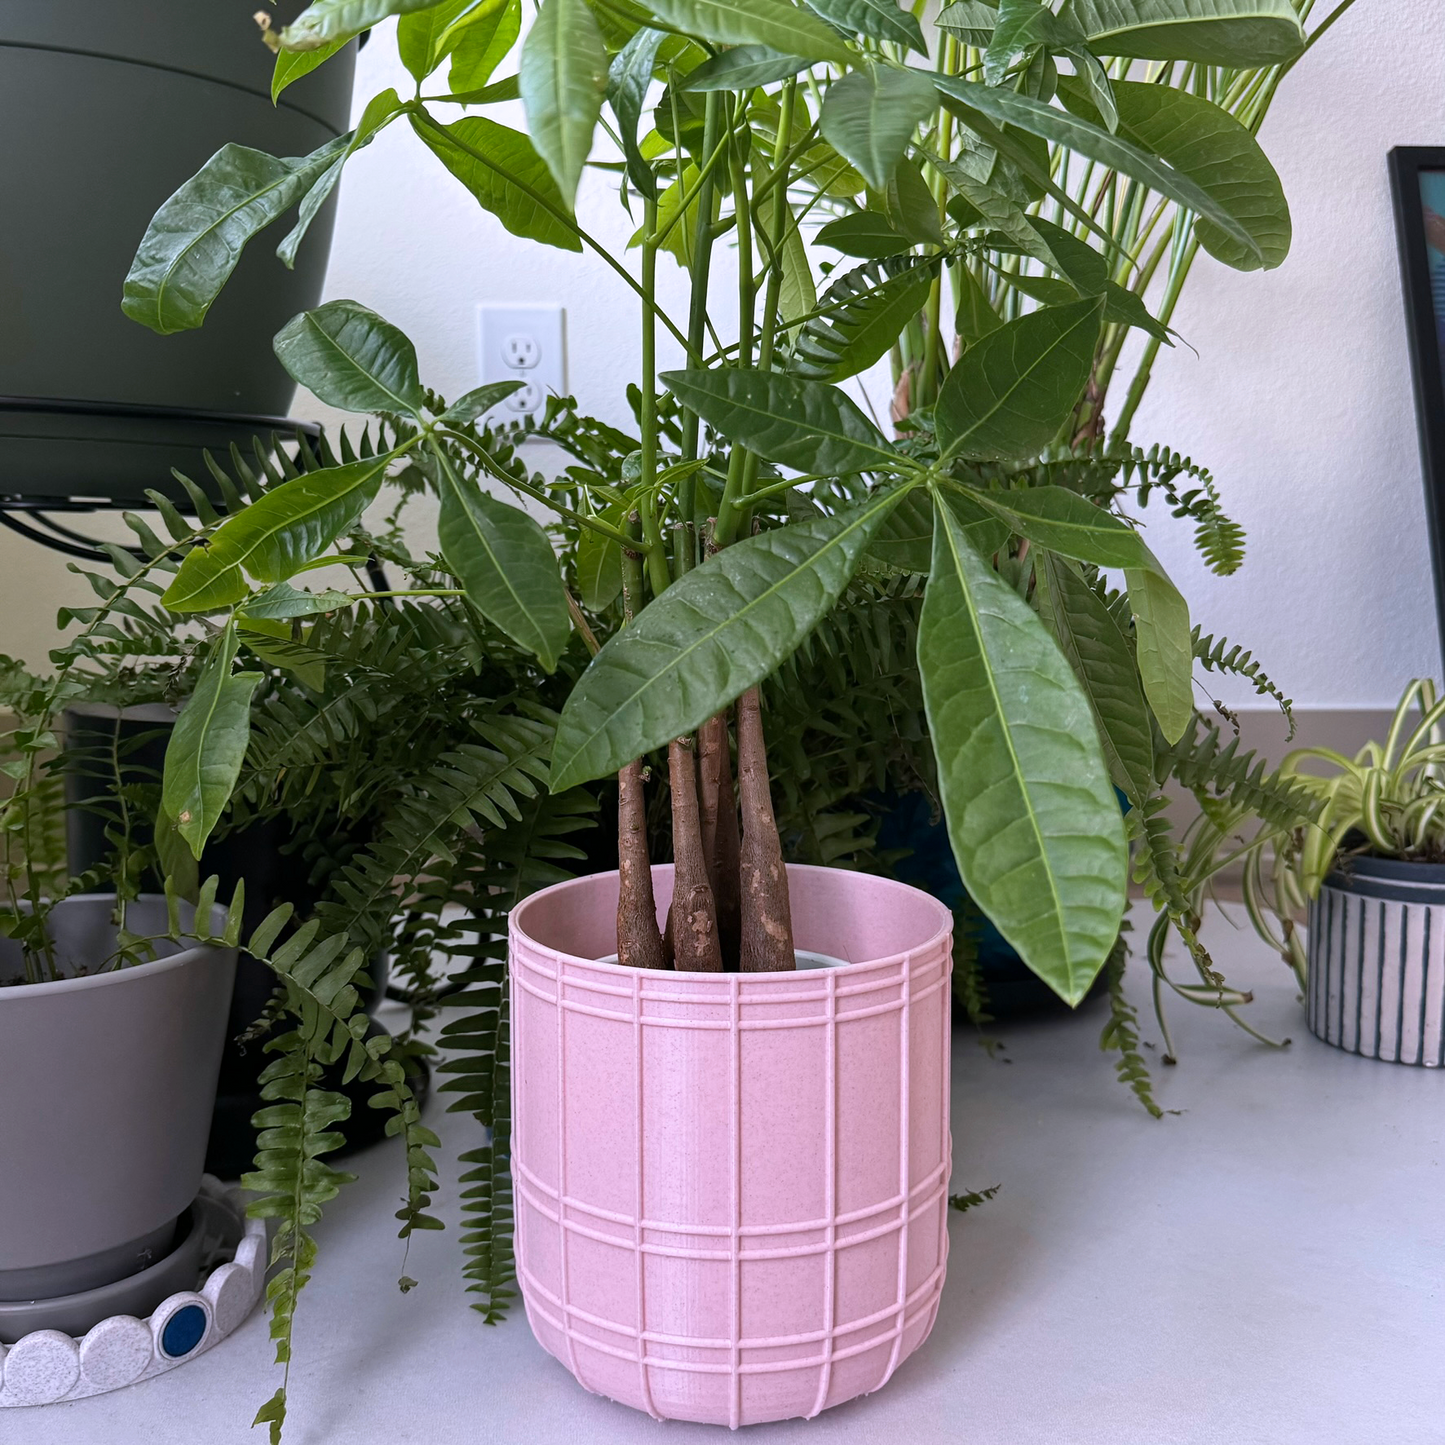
(1417, 186)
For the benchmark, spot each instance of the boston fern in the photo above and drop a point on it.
(1028, 169)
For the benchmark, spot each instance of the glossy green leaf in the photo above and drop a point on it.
(871, 115)
(426, 37)
(867, 308)
(1164, 647)
(1101, 658)
(716, 632)
(1077, 262)
(1010, 392)
(275, 537)
(806, 425)
(1029, 31)
(486, 41)
(997, 209)
(1035, 827)
(563, 78)
(1129, 309)
(478, 402)
(292, 65)
(352, 359)
(784, 27)
(1063, 521)
(282, 602)
(971, 21)
(797, 295)
(506, 565)
(1222, 158)
(599, 563)
(1061, 127)
(507, 176)
(825, 169)
(975, 316)
(744, 67)
(877, 19)
(380, 111)
(865, 234)
(1236, 33)
(627, 83)
(196, 238)
(910, 207)
(325, 21)
(208, 745)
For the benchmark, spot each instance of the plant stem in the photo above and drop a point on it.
(767, 920)
(692, 919)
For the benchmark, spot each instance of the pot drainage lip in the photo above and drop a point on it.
(47, 1364)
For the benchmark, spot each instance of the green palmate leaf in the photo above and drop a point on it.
(997, 209)
(1129, 309)
(272, 642)
(208, 744)
(904, 542)
(1060, 127)
(563, 77)
(507, 177)
(975, 316)
(865, 234)
(1164, 646)
(743, 68)
(488, 38)
(329, 20)
(352, 359)
(380, 111)
(627, 83)
(778, 24)
(971, 21)
(196, 238)
(599, 564)
(479, 401)
(910, 207)
(1221, 157)
(1063, 521)
(1034, 824)
(877, 19)
(1076, 261)
(283, 601)
(292, 65)
(797, 296)
(504, 561)
(426, 37)
(871, 115)
(806, 425)
(1100, 656)
(275, 537)
(825, 170)
(1029, 31)
(1239, 33)
(713, 634)
(867, 309)
(1012, 390)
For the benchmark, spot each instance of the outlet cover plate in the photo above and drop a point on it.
(526, 344)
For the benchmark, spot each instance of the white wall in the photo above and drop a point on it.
(1298, 400)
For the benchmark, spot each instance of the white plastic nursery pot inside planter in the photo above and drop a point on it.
(732, 1189)
(108, 1079)
(1377, 961)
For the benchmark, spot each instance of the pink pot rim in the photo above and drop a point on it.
(516, 921)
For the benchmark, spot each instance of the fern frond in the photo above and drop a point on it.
(1121, 1033)
(1225, 657)
(1200, 763)
(1220, 540)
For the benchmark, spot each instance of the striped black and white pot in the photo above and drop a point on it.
(1377, 961)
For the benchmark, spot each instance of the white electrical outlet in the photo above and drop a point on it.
(526, 344)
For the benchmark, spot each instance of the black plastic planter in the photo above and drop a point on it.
(108, 108)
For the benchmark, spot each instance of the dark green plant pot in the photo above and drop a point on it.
(109, 108)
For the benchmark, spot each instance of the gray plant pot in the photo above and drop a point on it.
(108, 1081)
(1377, 961)
(117, 106)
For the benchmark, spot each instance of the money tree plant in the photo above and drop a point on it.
(759, 487)
(985, 201)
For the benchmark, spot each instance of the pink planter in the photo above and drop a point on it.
(731, 1189)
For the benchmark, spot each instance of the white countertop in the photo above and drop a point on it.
(1265, 1266)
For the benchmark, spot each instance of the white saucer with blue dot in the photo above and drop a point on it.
(46, 1366)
